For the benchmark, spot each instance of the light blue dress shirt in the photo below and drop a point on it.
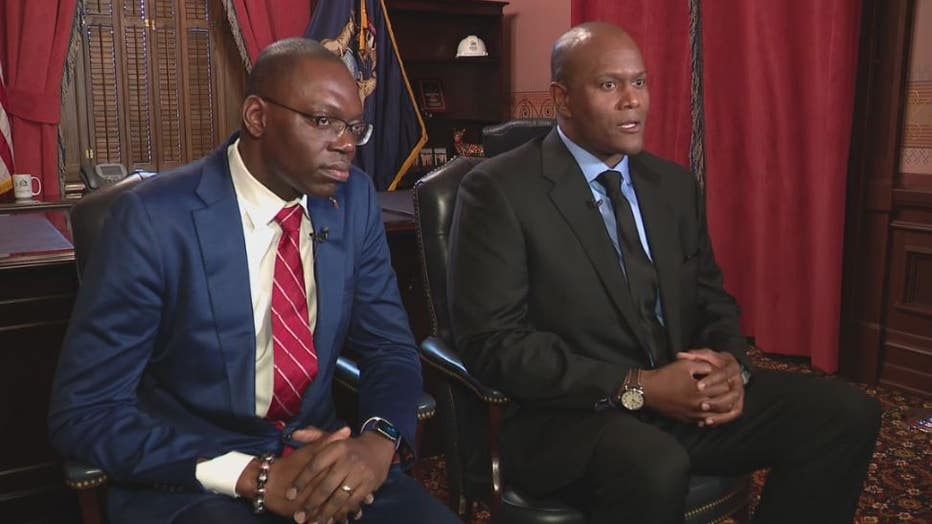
(592, 167)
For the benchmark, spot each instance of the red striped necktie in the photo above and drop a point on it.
(292, 338)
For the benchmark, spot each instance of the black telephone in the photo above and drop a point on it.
(102, 175)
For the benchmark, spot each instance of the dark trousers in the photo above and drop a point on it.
(817, 436)
(400, 499)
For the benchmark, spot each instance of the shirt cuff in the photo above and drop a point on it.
(220, 474)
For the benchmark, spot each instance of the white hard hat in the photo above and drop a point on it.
(472, 45)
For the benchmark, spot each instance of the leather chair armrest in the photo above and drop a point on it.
(426, 406)
(438, 355)
(347, 375)
(80, 476)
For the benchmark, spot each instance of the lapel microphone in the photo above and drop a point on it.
(319, 237)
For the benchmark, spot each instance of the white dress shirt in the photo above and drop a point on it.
(258, 207)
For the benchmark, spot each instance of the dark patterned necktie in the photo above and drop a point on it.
(639, 270)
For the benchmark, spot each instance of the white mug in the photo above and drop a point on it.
(23, 185)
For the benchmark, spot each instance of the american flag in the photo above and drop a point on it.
(6, 141)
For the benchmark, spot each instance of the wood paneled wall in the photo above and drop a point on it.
(886, 328)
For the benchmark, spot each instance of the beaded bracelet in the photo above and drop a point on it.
(265, 464)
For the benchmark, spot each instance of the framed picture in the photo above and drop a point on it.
(440, 156)
(427, 158)
(431, 96)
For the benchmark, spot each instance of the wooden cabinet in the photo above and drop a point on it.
(886, 323)
(473, 88)
(37, 290)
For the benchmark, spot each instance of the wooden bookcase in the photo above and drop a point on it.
(474, 92)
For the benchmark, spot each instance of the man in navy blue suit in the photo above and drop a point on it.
(198, 365)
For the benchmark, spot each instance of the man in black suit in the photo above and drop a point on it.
(583, 284)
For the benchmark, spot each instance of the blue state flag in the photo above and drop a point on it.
(360, 33)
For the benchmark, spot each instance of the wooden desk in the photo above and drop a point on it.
(37, 289)
(37, 292)
(398, 216)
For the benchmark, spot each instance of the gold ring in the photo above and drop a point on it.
(346, 488)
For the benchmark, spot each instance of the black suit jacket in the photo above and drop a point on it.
(539, 303)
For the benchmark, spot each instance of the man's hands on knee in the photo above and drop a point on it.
(342, 477)
(702, 386)
(673, 389)
(280, 497)
(723, 387)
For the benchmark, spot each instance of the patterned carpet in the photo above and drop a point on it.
(899, 484)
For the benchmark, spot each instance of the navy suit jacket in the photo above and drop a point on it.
(158, 365)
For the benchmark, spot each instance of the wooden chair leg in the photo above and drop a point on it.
(743, 515)
(89, 500)
(417, 471)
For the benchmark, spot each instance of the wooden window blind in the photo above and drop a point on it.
(102, 90)
(150, 82)
(200, 80)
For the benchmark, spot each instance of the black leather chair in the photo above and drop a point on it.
(471, 413)
(511, 134)
(87, 219)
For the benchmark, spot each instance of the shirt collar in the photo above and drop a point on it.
(591, 166)
(258, 203)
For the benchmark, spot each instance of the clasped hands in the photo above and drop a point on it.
(328, 479)
(701, 386)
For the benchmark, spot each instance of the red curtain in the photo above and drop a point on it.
(779, 94)
(261, 22)
(661, 29)
(33, 46)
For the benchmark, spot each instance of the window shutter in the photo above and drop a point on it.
(202, 101)
(167, 63)
(103, 98)
(151, 78)
(137, 79)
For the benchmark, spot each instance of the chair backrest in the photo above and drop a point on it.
(509, 135)
(467, 459)
(434, 201)
(87, 217)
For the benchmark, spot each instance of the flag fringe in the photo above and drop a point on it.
(416, 150)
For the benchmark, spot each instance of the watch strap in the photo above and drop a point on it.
(384, 429)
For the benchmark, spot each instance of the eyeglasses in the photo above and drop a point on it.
(331, 127)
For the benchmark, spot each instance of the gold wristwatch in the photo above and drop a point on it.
(631, 394)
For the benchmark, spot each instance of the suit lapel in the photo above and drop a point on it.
(223, 248)
(572, 197)
(329, 275)
(662, 238)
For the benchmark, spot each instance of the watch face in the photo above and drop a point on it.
(632, 399)
(388, 430)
